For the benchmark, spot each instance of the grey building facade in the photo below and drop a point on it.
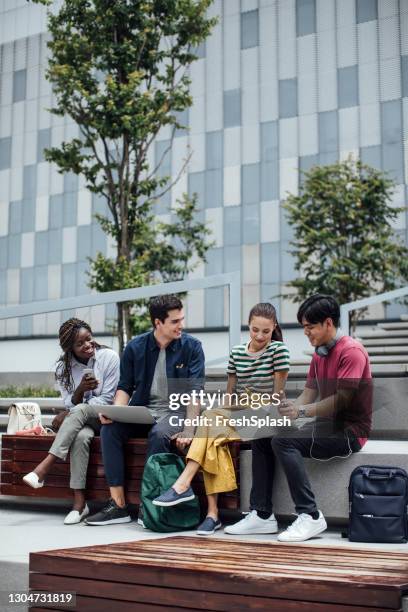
(281, 85)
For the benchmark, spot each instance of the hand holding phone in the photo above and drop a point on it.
(89, 382)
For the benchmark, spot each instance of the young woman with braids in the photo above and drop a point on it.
(81, 392)
(260, 365)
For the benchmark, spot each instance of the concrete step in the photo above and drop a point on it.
(403, 325)
(383, 355)
(299, 370)
(387, 350)
(371, 342)
(333, 500)
(378, 359)
(383, 333)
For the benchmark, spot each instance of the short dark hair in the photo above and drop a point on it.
(159, 306)
(317, 308)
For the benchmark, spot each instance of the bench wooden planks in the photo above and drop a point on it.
(21, 454)
(191, 573)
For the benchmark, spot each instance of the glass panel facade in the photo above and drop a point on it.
(19, 85)
(288, 98)
(305, 17)
(280, 87)
(249, 29)
(5, 153)
(347, 86)
(232, 108)
(367, 10)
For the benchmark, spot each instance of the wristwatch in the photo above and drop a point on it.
(302, 412)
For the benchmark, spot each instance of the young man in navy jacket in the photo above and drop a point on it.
(153, 366)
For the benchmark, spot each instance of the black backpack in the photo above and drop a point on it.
(378, 503)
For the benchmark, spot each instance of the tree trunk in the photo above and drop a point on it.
(121, 340)
(124, 331)
(126, 322)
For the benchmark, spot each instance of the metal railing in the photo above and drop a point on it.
(345, 309)
(232, 280)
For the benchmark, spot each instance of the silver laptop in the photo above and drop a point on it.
(127, 414)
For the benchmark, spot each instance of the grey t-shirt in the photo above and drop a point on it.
(159, 393)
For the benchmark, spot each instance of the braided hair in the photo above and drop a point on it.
(67, 335)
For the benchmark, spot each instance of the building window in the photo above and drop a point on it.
(5, 153)
(232, 108)
(288, 106)
(19, 85)
(249, 29)
(305, 17)
(367, 10)
(347, 79)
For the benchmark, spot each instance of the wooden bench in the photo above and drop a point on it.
(21, 454)
(191, 573)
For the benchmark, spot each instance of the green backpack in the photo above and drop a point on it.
(160, 473)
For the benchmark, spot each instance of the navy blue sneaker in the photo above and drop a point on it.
(208, 526)
(172, 498)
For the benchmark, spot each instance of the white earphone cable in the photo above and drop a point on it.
(313, 435)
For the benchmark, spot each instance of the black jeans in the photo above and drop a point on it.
(290, 453)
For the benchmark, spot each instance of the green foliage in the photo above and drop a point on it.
(160, 252)
(119, 69)
(344, 241)
(28, 391)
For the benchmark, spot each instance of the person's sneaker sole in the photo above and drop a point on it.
(124, 519)
(204, 533)
(256, 531)
(299, 539)
(176, 502)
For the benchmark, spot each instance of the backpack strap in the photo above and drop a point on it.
(371, 475)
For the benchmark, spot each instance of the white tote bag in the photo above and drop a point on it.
(23, 415)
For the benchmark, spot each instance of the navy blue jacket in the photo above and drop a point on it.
(185, 366)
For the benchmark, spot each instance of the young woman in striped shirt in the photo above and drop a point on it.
(260, 365)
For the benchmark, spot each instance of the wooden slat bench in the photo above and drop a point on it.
(21, 454)
(190, 573)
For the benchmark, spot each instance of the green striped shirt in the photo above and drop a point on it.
(256, 370)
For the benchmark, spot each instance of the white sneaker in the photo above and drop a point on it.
(252, 523)
(74, 516)
(32, 480)
(303, 528)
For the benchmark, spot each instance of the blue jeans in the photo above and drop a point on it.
(114, 437)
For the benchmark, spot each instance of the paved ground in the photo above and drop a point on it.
(27, 527)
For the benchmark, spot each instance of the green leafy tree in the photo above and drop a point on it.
(119, 69)
(344, 243)
(161, 252)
